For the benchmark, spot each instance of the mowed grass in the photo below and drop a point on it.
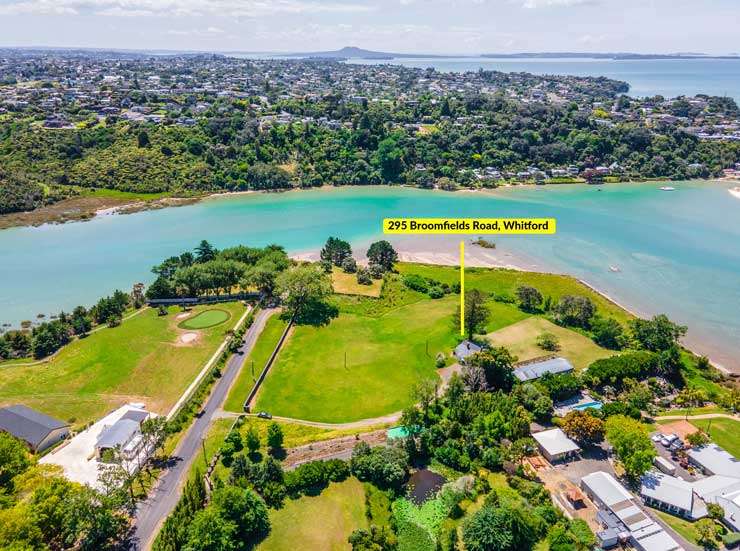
(521, 338)
(346, 284)
(505, 282)
(722, 431)
(142, 360)
(318, 522)
(386, 355)
(683, 527)
(264, 346)
(205, 319)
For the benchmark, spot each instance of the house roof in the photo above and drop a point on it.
(28, 424)
(660, 541)
(118, 434)
(136, 415)
(667, 489)
(708, 487)
(555, 442)
(536, 370)
(716, 460)
(466, 348)
(606, 488)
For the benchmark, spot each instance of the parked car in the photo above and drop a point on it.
(264, 415)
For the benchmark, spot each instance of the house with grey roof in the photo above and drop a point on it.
(123, 436)
(37, 430)
(535, 370)
(465, 349)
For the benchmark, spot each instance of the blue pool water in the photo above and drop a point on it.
(594, 405)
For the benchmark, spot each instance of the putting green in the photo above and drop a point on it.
(207, 318)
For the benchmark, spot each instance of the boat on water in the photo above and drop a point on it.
(614, 268)
(735, 192)
(667, 188)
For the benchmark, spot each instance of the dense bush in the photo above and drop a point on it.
(614, 370)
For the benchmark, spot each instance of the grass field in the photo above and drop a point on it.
(205, 319)
(505, 282)
(321, 522)
(264, 346)
(683, 527)
(723, 432)
(346, 284)
(521, 338)
(385, 356)
(142, 360)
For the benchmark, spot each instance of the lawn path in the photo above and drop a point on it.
(362, 423)
(701, 416)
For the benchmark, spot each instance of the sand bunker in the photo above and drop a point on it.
(187, 338)
(182, 316)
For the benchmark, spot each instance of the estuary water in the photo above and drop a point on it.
(646, 77)
(653, 251)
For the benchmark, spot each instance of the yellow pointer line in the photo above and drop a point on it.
(462, 288)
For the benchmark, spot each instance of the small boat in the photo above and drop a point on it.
(613, 268)
(667, 188)
(735, 192)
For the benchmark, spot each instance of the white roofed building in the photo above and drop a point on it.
(555, 445)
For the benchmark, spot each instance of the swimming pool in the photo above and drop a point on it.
(594, 405)
(397, 432)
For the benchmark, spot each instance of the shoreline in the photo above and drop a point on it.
(478, 257)
(76, 210)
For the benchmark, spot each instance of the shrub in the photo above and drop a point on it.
(349, 265)
(363, 277)
(548, 341)
(416, 283)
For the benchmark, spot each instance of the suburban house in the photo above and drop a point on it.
(36, 429)
(714, 460)
(535, 370)
(124, 435)
(555, 445)
(690, 499)
(672, 494)
(465, 349)
(622, 517)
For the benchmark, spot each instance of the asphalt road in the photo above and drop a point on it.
(162, 500)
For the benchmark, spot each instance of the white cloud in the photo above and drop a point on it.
(533, 4)
(170, 8)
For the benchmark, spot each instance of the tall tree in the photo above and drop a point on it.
(382, 253)
(498, 367)
(302, 289)
(205, 252)
(476, 312)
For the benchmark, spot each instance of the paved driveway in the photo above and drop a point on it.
(151, 513)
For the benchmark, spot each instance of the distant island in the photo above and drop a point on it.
(353, 52)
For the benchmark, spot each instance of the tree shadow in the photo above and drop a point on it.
(317, 313)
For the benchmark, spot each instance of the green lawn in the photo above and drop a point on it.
(683, 527)
(385, 356)
(322, 522)
(521, 337)
(723, 432)
(205, 319)
(505, 282)
(142, 360)
(264, 346)
(346, 284)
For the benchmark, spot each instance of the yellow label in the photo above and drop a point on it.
(480, 226)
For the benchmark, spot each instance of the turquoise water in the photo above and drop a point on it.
(592, 405)
(667, 77)
(677, 252)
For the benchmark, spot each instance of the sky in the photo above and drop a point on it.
(409, 26)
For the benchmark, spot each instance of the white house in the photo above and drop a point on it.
(555, 445)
